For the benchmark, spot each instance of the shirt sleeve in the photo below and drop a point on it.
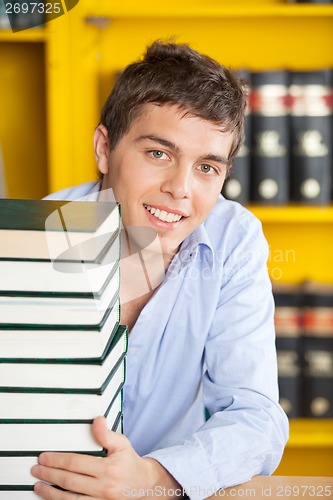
(247, 431)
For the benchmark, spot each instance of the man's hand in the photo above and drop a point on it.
(123, 474)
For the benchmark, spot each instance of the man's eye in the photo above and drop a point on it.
(157, 154)
(207, 169)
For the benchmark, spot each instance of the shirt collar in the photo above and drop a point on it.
(196, 245)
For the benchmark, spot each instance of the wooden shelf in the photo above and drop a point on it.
(307, 433)
(293, 214)
(208, 9)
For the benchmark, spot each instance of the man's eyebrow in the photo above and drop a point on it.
(169, 144)
(217, 158)
(159, 140)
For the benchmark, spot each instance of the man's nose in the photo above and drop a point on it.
(178, 182)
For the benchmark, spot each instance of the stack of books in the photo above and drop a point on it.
(287, 153)
(62, 350)
(304, 342)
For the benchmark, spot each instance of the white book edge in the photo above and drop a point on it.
(62, 375)
(54, 437)
(15, 472)
(62, 344)
(61, 277)
(58, 310)
(55, 406)
(18, 495)
(57, 240)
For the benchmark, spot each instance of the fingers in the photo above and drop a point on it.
(69, 481)
(73, 462)
(49, 493)
(91, 476)
(111, 441)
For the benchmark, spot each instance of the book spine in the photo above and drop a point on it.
(237, 186)
(311, 94)
(270, 137)
(288, 344)
(317, 394)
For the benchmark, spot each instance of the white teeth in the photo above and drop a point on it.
(163, 215)
(170, 218)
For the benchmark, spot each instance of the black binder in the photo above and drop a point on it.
(311, 136)
(288, 302)
(317, 380)
(270, 137)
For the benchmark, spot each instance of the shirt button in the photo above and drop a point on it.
(132, 350)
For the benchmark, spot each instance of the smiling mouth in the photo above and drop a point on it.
(163, 215)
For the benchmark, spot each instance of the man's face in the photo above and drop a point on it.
(167, 172)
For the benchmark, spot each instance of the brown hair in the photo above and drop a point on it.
(172, 73)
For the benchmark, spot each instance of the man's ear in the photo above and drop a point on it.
(102, 149)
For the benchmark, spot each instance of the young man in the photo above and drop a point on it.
(203, 335)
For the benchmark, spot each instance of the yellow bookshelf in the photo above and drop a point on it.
(308, 434)
(58, 78)
(210, 9)
(294, 214)
(300, 240)
(309, 451)
(32, 35)
(23, 112)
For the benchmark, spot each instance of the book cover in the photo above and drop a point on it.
(63, 374)
(237, 185)
(288, 316)
(270, 137)
(60, 341)
(15, 471)
(317, 393)
(15, 468)
(311, 131)
(34, 309)
(33, 405)
(34, 438)
(66, 278)
(56, 229)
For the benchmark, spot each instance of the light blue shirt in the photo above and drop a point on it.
(206, 339)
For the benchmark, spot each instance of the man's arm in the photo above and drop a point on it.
(247, 431)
